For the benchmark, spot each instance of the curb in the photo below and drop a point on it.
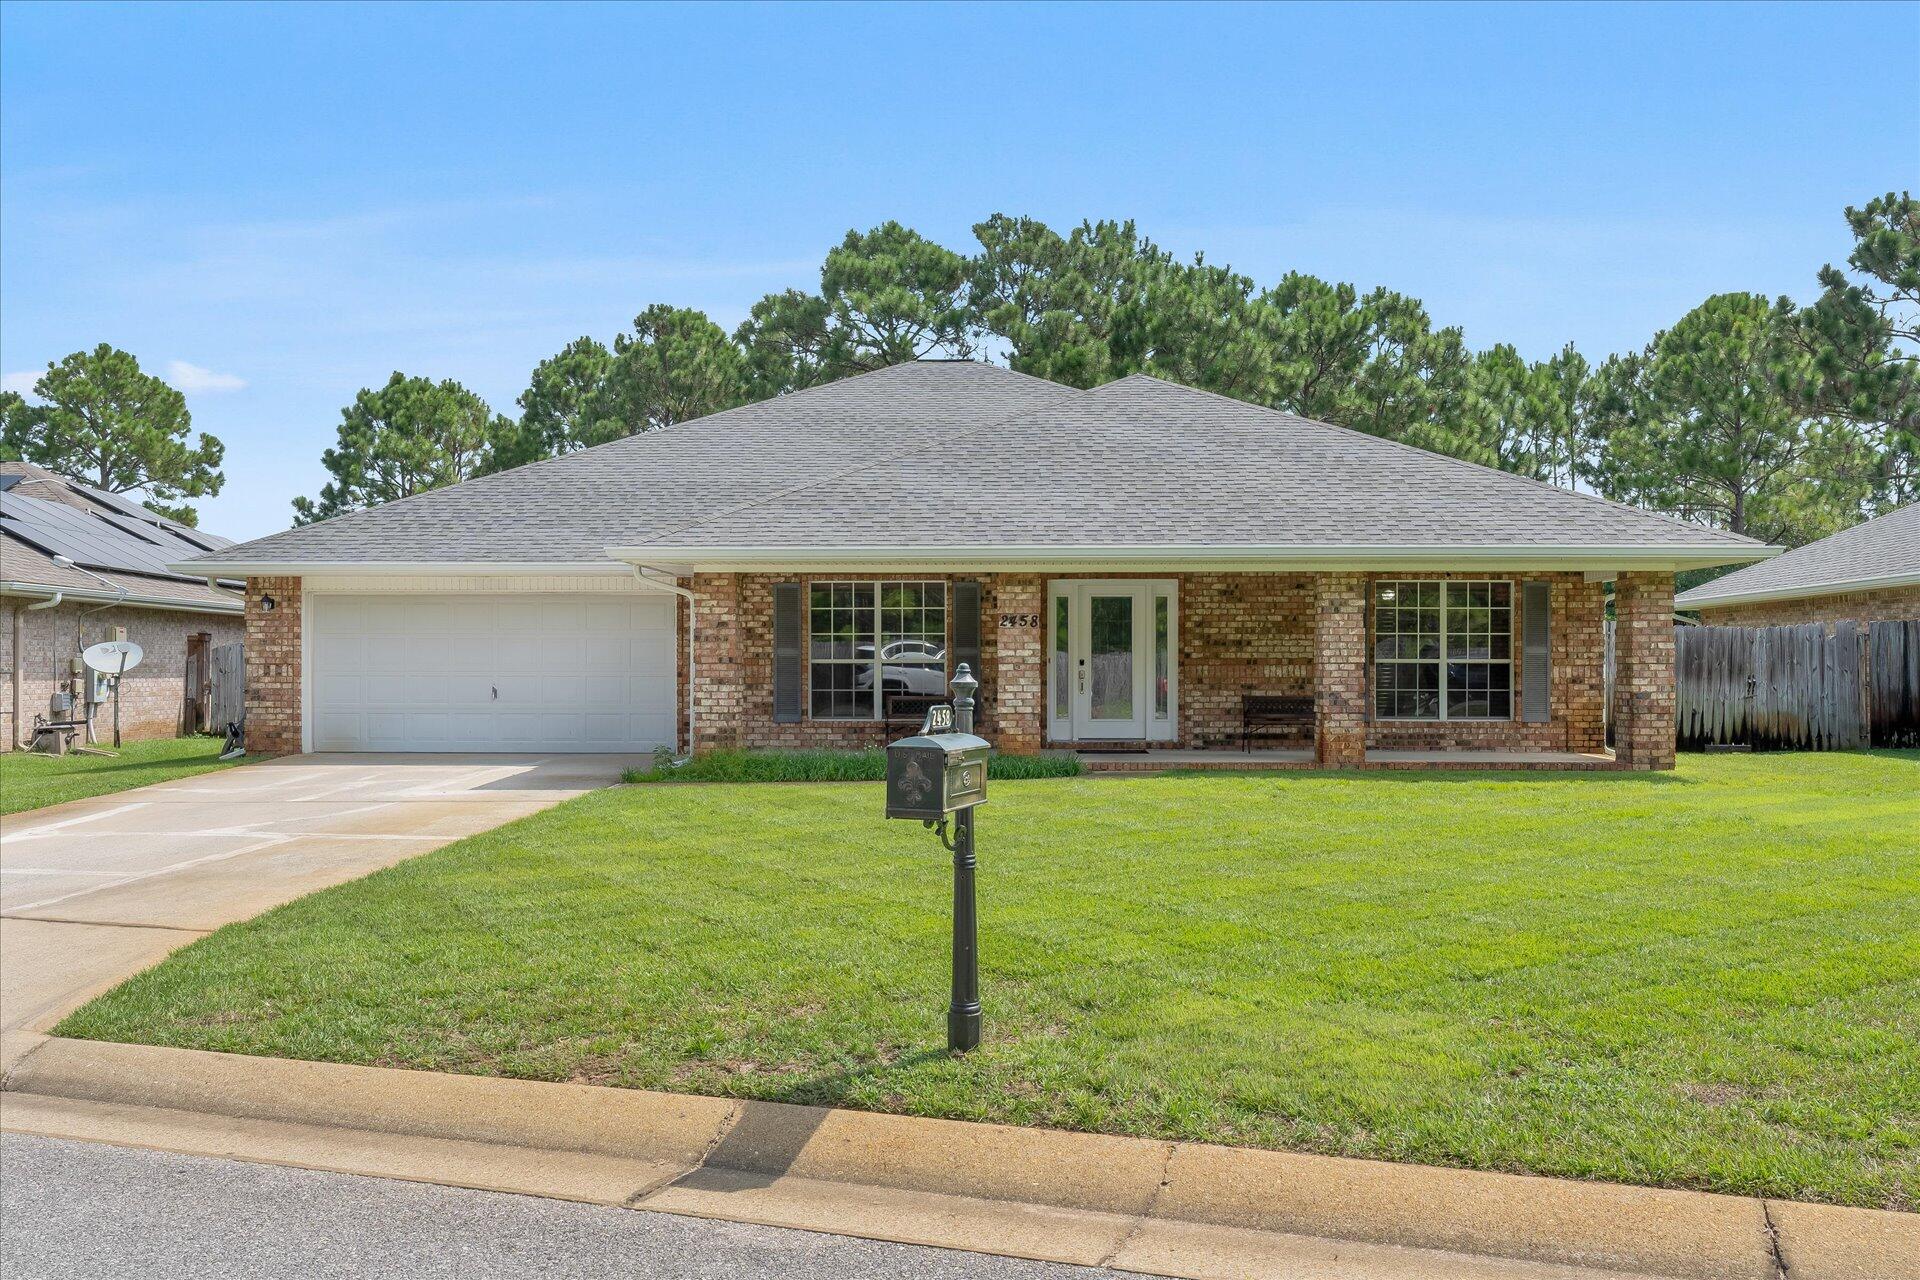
(681, 1143)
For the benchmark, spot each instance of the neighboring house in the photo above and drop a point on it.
(1123, 565)
(78, 566)
(1868, 573)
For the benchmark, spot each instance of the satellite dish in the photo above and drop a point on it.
(113, 656)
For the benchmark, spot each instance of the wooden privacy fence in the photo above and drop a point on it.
(229, 681)
(1817, 687)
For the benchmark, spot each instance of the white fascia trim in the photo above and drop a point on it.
(1177, 556)
(96, 596)
(319, 568)
(1693, 600)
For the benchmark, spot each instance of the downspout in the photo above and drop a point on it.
(640, 575)
(19, 658)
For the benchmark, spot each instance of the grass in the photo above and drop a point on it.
(1706, 979)
(869, 765)
(30, 780)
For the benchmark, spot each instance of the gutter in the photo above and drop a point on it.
(174, 604)
(1692, 600)
(315, 568)
(1196, 556)
(640, 573)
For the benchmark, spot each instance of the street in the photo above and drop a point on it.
(74, 1210)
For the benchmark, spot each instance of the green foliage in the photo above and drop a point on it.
(1705, 979)
(1864, 337)
(105, 423)
(835, 766)
(674, 366)
(30, 780)
(1071, 308)
(1703, 424)
(407, 437)
(1526, 417)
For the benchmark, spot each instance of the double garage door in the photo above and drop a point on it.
(530, 672)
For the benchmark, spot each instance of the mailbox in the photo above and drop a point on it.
(931, 775)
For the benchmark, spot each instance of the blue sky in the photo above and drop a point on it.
(278, 206)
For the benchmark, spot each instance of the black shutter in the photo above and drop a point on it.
(1536, 668)
(966, 626)
(788, 670)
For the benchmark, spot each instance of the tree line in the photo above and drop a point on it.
(1751, 414)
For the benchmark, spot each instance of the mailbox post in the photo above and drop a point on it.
(937, 774)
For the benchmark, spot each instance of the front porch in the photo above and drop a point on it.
(1408, 669)
(1228, 760)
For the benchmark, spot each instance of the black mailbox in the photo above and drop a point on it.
(931, 775)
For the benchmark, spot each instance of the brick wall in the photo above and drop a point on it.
(273, 666)
(1238, 634)
(733, 664)
(1577, 694)
(152, 696)
(1644, 691)
(1889, 604)
(1340, 668)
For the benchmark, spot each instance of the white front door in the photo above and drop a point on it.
(1112, 672)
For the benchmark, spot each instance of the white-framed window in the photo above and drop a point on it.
(871, 643)
(1442, 650)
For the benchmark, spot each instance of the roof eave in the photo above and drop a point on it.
(683, 559)
(1693, 600)
(380, 568)
(133, 600)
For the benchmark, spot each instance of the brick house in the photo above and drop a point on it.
(1122, 567)
(78, 566)
(1869, 573)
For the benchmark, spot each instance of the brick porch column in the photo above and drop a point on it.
(273, 666)
(1019, 664)
(1340, 669)
(1643, 682)
(719, 698)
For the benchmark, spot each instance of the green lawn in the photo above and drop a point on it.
(1706, 979)
(29, 780)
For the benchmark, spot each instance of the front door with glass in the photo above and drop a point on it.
(1112, 675)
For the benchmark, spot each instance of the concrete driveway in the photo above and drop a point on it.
(99, 889)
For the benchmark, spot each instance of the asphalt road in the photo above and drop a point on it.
(78, 1209)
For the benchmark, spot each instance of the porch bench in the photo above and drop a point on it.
(1261, 713)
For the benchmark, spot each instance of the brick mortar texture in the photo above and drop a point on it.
(153, 696)
(1889, 604)
(1238, 633)
(273, 665)
(1644, 689)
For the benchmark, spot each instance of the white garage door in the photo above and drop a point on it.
(491, 673)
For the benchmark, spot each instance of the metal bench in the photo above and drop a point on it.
(1263, 713)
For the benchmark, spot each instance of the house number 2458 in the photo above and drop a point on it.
(1019, 619)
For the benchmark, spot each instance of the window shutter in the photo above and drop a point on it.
(966, 626)
(1536, 667)
(788, 670)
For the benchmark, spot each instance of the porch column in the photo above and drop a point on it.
(719, 679)
(1340, 669)
(1643, 682)
(1018, 663)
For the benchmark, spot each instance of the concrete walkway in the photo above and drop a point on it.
(94, 891)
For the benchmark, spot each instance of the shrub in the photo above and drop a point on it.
(869, 765)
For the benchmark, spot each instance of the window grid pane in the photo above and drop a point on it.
(1443, 650)
(863, 635)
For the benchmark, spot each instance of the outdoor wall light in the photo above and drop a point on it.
(268, 604)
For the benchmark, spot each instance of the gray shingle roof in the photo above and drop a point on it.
(1884, 551)
(869, 461)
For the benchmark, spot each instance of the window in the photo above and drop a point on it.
(1443, 650)
(868, 636)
